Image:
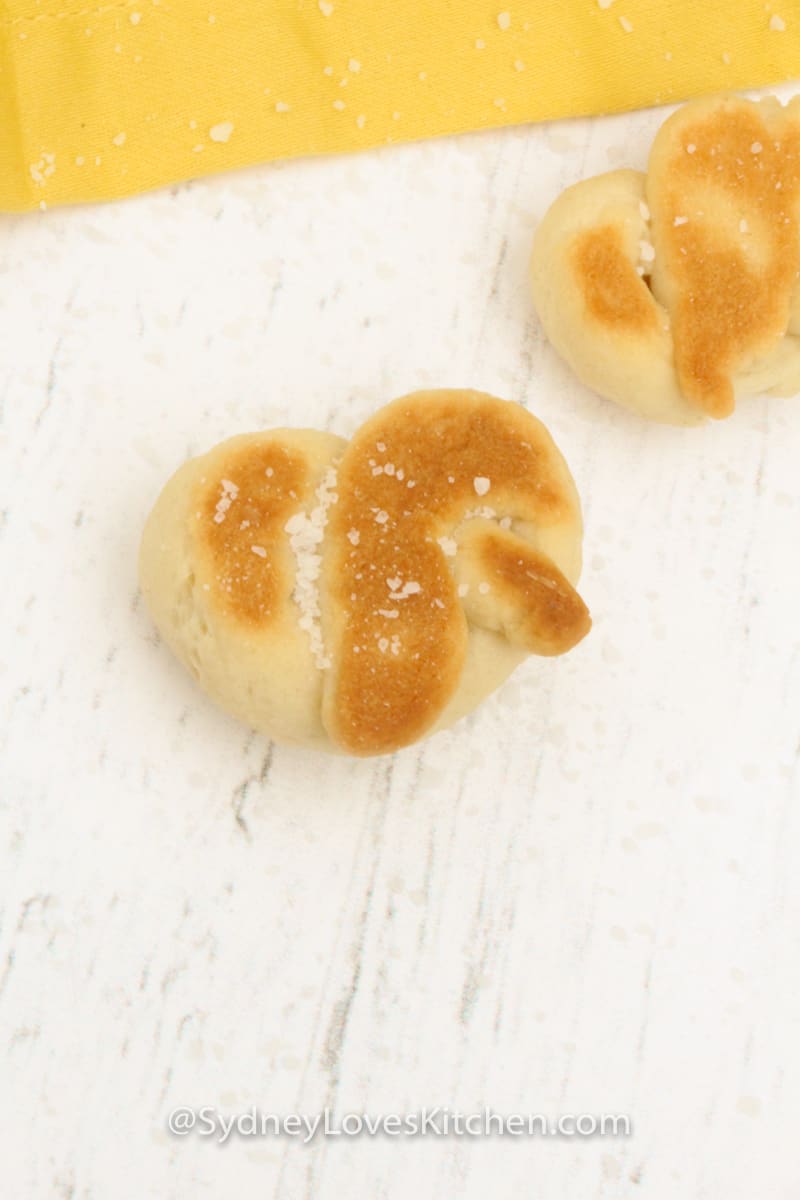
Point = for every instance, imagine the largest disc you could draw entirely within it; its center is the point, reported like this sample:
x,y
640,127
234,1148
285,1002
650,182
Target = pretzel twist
x,y
357,596
676,292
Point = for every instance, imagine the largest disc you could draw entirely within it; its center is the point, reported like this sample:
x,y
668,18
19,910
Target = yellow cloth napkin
x,y
103,99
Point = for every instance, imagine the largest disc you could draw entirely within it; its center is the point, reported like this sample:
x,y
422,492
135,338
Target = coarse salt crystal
x,y
306,532
295,524
680,221
449,545
626,24
354,537
605,3
119,140
463,588
221,132
756,148
644,210
354,65
398,592
135,18
690,149
229,493
325,8
381,517
646,252
43,169
776,23
481,484
282,107
259,550
504,20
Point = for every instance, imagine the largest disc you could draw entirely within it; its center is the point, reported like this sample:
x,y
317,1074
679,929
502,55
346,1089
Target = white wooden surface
x,y
584,899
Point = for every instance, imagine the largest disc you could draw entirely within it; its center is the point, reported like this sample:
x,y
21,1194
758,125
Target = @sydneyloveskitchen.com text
x,y
215,1125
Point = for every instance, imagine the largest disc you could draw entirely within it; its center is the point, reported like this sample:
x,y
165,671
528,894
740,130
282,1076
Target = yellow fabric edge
x,y
101,101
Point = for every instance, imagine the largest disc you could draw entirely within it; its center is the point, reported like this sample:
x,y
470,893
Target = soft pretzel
x,y
358,596
676,292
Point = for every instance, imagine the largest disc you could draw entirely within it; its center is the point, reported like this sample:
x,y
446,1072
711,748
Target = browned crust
x,y
549,617
731,287
269,484
386,699
611,289
398,657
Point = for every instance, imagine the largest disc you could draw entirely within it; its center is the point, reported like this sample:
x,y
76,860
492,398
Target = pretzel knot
x,y
676,292
358,596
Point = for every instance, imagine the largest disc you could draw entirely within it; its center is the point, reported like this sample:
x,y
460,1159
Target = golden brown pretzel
x,y
357,596
676,292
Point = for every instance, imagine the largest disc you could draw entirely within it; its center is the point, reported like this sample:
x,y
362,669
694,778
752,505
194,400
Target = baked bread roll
x,y
676,293
357,596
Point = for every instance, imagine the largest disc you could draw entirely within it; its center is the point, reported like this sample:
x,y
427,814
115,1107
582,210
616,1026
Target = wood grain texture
x,y
583,899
